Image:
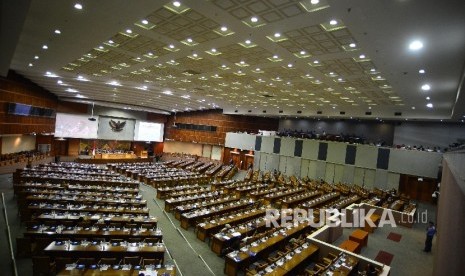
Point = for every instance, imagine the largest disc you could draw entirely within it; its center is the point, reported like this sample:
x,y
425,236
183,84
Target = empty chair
x,y
152,240
86,261
146,262
131,260
134,240
131,225
149,225
23,247
107,261
42,266
118,241
41,243
61,262
99,240
115,224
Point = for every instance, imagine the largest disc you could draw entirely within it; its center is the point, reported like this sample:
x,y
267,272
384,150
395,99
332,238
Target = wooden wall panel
x,y
17,89
224,123
73,146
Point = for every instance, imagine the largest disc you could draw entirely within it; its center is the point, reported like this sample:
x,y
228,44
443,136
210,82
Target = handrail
x,y
13,260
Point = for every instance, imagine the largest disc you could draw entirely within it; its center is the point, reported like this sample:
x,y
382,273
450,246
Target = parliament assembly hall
x,y
232,137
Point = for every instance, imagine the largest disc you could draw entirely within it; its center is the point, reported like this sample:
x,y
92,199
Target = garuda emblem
x,y
117,126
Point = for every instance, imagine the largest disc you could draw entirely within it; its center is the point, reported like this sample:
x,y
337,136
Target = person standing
x,y
430,232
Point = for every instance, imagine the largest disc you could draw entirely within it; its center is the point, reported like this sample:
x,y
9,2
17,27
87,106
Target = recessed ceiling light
x,y
430,105
372,70
254,19
314,2
45,47
59,81
334,107
171,46
213,50
150,53
415,45
78,6
176,4
333,22
248,41
289,65
352,45
167,92
36,57
111,41
57,31
303,52
413,107
194,55
129,31
316,62
241,62
224,28
275,56
428,98
145,21
277,35
224,66
189,40
30,65
421,71
362,56
425,87
369,107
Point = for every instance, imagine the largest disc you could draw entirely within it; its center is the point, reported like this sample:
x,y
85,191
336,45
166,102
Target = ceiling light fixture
x,y
78,6
30,64
333,22
129,31
428,98
421,71
429,105
111,41
277,35
36,57
248,41
224,29
314,2
415,45
45,47
362,56
57,31
254,19
176,4
352,45
145,22
425,87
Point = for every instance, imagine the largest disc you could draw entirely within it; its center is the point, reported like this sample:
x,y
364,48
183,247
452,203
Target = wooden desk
x,y
351,246
117,272
360,237
375,219
94,218
90,233
204,230
344,265
236,261
109,251
188,219
296,263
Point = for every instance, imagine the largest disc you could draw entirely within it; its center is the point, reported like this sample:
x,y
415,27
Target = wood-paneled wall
x,y
224,123
16,89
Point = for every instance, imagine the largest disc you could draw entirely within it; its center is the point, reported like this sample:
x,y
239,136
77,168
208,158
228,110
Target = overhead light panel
x,y
415,45
176,7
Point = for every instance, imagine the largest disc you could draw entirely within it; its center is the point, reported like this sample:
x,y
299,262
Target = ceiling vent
x,y
368,113
342,113
398,114
299,112
319,112
281,111
264,111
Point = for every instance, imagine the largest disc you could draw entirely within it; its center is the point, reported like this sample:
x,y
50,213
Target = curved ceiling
x,y
269,57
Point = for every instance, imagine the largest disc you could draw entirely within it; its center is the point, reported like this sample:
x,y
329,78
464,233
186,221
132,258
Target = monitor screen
x,y
147,131
75,126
